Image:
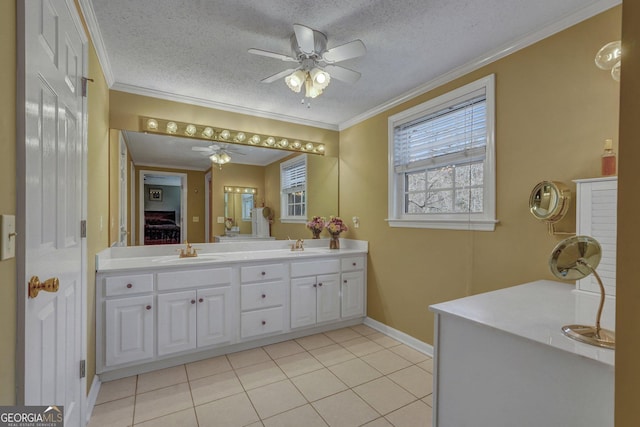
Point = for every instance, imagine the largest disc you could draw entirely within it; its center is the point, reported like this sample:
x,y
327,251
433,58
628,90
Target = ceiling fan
x,y
316,63
217,153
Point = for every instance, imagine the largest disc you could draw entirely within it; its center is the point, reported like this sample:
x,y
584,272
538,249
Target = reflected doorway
x,y
163,208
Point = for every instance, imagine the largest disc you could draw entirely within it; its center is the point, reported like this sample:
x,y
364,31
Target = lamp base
x,y
587,334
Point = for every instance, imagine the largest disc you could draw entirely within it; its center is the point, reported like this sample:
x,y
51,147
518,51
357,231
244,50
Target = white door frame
x,y
183,201
21,214
132,198
123,190
207,207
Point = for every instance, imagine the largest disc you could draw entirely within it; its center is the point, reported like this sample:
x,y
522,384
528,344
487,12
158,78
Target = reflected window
x,y
247,206
293,189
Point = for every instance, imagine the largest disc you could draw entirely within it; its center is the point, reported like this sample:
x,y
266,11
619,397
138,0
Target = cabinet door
x,y
303,301
214,316
129,329
176,322
353,294
328,297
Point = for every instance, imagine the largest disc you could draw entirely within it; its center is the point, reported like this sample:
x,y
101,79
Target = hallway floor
x,y
353,376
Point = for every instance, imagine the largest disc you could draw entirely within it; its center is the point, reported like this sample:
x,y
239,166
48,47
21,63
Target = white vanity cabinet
x,y
128,318
353,286
155,311
262,299
315,292
194,318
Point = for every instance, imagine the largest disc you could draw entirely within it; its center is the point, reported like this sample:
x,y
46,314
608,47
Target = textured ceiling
x,y
197,49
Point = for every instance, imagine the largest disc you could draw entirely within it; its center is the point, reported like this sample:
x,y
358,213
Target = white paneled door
x,y
52,54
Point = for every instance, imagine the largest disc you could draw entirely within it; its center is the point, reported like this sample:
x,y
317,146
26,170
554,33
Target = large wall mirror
x,y
192,202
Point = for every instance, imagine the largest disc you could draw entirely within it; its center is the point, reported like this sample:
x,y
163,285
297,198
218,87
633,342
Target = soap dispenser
x,y
608,159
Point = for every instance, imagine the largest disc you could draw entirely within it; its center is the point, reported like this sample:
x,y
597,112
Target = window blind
x,y
293,176
448,135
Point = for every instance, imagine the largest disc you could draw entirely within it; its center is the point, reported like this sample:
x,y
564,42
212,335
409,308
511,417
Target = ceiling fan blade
x,y
274,55
341,73
305,38
277,76
201,149
346,51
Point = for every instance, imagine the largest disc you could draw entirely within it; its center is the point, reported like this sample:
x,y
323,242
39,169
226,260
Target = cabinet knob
x,y
264,322
193,301
319,284
264,296
263,273
314,285
129,286
344,281
354,264
200,300
148,307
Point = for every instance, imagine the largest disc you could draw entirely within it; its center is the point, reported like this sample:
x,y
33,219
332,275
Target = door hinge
x,y
83,368
83,228
84,85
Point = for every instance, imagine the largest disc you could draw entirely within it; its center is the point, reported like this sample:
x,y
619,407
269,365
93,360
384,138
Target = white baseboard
x,y
412,342
93,396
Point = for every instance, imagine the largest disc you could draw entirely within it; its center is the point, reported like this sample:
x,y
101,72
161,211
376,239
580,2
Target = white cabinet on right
x,y
353,287
596,216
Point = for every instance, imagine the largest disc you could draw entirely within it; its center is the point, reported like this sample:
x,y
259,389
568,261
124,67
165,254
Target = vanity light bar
x,y
244,190
209,133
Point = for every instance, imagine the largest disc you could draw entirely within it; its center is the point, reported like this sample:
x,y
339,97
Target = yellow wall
x,y
195,202
98,192
628,268
8,297
554,110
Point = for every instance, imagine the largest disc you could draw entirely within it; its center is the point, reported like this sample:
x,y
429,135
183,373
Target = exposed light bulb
x,y
320,148
240,136
225,134
152,124
172,127
308,146
283,143
190,130
207,132
615,71
270,141
609,55
296,144
255,139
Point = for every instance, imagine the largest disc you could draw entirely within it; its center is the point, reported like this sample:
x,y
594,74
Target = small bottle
x,y
608,159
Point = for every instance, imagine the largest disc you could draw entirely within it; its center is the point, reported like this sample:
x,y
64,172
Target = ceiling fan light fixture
x,y
295,80
320,78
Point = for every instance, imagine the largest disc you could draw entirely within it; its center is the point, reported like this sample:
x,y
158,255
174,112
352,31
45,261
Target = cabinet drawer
x,y
261,322
124,285
261,295
256,273
193,278
353,263
314,268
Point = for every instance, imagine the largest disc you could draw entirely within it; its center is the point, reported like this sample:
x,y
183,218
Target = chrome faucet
x,y
298,245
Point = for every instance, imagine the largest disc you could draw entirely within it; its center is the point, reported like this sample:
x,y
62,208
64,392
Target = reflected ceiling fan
x,y
218,154
316,63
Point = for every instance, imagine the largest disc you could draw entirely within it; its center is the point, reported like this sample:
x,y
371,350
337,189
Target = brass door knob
x,y
49,285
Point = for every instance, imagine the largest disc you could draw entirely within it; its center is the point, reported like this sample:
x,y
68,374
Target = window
x,y
293,189
442,161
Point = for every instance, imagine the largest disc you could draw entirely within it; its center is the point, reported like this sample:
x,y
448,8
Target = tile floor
x,y
347,377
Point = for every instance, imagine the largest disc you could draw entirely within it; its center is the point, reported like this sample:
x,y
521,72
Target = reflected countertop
x,y
537,311
122,259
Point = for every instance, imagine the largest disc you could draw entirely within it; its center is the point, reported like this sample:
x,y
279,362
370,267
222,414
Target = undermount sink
x,y
188,260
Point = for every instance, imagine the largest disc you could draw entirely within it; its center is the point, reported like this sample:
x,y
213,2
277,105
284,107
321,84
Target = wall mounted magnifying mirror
x,y
573,259
549,202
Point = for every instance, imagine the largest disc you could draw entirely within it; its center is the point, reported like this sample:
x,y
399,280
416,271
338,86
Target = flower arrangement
x,y
316,225
228,223
335,225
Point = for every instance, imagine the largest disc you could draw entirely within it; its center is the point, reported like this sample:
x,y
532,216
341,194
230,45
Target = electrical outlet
x,y
7,236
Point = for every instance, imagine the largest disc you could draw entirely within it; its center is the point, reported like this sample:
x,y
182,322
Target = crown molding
x,y
491,56
98,42
139,90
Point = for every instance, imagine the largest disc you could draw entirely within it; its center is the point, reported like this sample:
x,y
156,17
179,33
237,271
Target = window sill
x,y
293,220
474,224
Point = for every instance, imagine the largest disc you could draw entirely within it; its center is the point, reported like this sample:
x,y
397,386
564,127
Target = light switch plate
x,y
7,236
220,220
196,219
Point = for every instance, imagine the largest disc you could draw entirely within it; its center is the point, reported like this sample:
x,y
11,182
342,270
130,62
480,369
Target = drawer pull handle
x,y
193,301
264,296
129,286
200,300
264,322
148,307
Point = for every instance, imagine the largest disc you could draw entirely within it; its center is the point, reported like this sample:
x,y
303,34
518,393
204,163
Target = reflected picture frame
x,y
155,194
